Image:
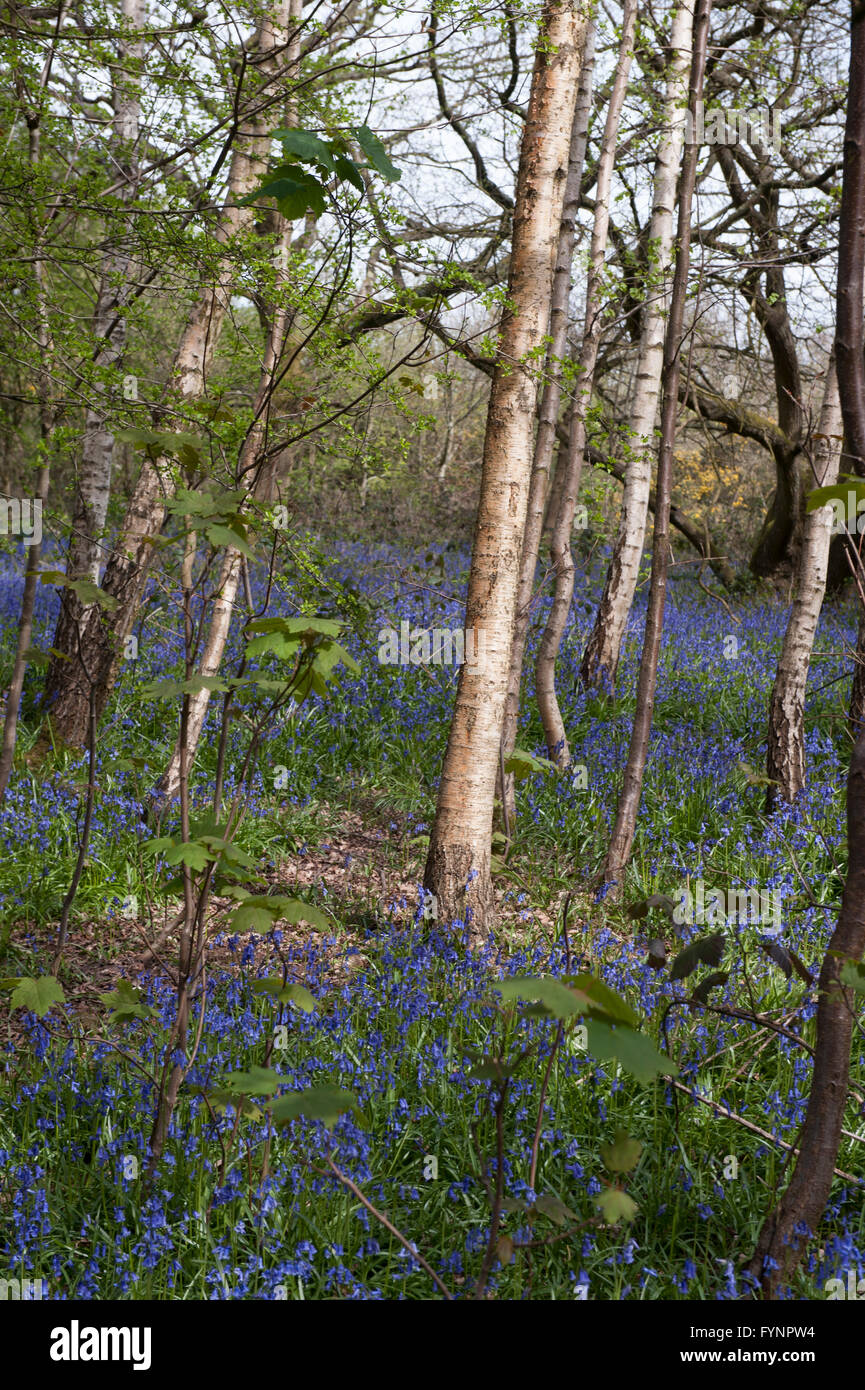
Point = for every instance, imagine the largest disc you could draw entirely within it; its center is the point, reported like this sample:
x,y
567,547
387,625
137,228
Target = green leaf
x,y
324,1103
553,1207
306,626
604,1000
286,993
85,589
258,1081
192,853
623,1154
556,998
296,191
126,1002
853,975
837,492
34,657
277,909
635,1051
377,154
707,950
523,764
38,994
221,1099
307,147
229,536
348,170
505,1248
249,917
490,1069
615,1205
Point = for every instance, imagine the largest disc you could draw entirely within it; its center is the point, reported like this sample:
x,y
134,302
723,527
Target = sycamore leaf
x,y
325,1103
523,764
556,998
847,491
635,1051
853,975
36,994
220,1100
286,993
258,1081
305,146
604,1000
554,1208
277,909
623,1154
126,1001
615,1205
85,589
505,1248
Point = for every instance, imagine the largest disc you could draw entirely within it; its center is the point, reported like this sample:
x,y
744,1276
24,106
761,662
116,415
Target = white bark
x,y
458,865
601,657
785,761
572,463
226,591
67,694
548,412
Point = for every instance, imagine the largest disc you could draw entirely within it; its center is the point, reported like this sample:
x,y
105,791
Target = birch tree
x,y
601,656
96,647
572,462
624,828
548,412
458,864
785,757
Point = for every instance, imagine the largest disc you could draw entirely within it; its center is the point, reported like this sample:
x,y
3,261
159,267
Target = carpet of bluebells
x,y
239,1211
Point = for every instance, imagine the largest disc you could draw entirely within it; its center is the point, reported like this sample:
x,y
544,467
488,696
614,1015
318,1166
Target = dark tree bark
x,y
783,1240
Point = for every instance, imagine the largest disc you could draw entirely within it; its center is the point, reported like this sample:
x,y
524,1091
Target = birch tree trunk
x,y
601,657
458,864
785,756
572,461
548,413
622,837
102,636
91,499
248,466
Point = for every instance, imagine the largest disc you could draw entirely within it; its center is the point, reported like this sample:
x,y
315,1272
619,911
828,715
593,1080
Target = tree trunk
x,y
785,757
622,837
103,635
47,417
572,461
248,466
458,865
548,413
783,1239
601,657
91,498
